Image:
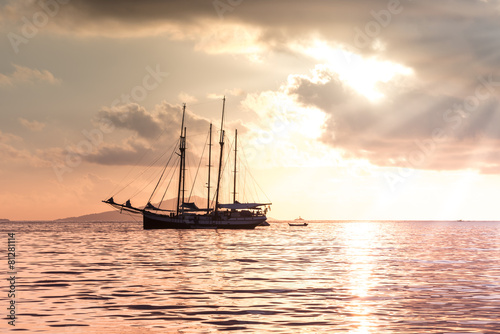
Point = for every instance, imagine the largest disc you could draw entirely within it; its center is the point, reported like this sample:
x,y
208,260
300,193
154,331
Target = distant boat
x,y
301,220
187,215
298,224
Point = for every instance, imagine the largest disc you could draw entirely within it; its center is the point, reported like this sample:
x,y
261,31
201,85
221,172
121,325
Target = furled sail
x,y
150,206
242,206
191,206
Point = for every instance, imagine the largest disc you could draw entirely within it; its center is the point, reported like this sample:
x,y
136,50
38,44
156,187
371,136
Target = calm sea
x,y
328,277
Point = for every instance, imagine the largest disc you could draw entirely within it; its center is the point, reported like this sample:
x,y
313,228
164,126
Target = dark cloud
x,y
140,11
447,41
130,153
136,118
325,94
165,118
152,133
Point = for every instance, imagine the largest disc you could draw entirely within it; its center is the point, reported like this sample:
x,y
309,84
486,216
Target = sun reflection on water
x,y
359,239
350,277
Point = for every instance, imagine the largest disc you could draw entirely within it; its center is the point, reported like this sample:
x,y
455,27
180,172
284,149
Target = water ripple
x,y
367,277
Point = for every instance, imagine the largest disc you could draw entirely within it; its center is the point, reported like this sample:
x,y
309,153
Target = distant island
x,y
107,216
4,220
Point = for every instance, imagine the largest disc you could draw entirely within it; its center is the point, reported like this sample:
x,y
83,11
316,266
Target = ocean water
x,y
328,277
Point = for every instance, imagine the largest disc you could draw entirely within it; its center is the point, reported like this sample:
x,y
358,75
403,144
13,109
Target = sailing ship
x,y
187,215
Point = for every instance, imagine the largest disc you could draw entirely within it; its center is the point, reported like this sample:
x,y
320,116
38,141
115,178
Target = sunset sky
x,y
346,109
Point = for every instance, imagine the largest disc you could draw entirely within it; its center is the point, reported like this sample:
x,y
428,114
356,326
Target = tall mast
x,y
221,143
182,148
184,171
209,165
235,155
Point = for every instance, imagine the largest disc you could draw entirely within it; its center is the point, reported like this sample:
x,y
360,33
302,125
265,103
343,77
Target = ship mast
x,y
235,155
209,165
182,149
221,143
183,171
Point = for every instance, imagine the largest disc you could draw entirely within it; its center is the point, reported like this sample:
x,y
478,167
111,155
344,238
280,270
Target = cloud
x,y
284,134
449,43
149,133
25,75
165,117
198,22
135,118
323,88
238,92
186,98
412,127
8,152
128,153
32,125
9,138
446,46
436,38
11,153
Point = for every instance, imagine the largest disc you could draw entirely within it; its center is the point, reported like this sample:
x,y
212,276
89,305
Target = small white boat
x,y
302,223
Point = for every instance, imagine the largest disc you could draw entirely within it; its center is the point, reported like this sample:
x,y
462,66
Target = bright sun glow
x,y
286,134
362,74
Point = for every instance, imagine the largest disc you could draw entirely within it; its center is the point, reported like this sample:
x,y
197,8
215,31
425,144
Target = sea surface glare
x,y
328,277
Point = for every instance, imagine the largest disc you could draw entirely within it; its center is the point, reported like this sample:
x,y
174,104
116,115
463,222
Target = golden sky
x,y
346,110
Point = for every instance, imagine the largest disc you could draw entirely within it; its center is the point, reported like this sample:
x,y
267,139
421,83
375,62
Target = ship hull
x,y
155,221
